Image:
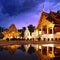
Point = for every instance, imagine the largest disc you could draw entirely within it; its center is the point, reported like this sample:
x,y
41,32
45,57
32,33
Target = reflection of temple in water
x,y
49,50
11,48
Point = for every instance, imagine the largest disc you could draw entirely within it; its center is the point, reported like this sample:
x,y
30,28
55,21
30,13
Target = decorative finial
x,y
43,8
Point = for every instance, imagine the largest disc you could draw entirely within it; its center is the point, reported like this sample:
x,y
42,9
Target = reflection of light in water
x,y
35,46
15,46
11,48
18,55
40,47
50,45
27,47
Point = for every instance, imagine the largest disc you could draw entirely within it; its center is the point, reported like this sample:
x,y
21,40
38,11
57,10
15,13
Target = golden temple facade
x,y
49,23
11,32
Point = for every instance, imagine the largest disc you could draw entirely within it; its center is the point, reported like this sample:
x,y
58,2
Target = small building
x,y
27,34
11,32
35,34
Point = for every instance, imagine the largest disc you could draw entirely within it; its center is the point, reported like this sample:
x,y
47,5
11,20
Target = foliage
x,y
31,28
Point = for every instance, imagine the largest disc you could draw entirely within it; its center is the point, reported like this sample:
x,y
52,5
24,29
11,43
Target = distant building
x,y
27,34
11,32
35,34
49,23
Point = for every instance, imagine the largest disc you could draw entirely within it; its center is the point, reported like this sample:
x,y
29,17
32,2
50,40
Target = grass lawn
x,y
1,40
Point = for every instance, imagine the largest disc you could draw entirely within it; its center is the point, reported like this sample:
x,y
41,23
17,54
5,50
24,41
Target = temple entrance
x,y
45,29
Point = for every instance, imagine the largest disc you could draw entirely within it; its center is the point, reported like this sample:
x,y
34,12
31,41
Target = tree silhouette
x,y
31,50
22,48
23,30
31,28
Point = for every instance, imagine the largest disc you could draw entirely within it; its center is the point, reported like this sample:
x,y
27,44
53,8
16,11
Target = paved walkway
x,y
28,42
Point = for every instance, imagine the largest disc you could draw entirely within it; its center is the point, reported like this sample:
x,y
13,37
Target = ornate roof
x,y
51,17
54,16
11,32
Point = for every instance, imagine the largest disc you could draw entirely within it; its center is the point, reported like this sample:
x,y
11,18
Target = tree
x,y
23,30
1,29
31,28
31,50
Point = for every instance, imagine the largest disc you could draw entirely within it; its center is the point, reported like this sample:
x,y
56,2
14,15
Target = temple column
x,y
47,50
52,50
52,30
41,49
47,29
41,29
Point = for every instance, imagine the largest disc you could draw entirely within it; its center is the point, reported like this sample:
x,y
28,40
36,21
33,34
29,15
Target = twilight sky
x,y
24,12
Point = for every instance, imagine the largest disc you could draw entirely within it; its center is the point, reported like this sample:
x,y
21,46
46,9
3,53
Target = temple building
x,y
11,32
27,34
35,34
49,23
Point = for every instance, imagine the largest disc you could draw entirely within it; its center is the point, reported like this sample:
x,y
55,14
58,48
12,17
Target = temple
x,y
49,23
11,32
27,34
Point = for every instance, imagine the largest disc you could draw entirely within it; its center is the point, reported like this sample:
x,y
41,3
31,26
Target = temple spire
x,y
43,8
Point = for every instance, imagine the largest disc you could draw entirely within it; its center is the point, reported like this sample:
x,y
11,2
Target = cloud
x,y
56,7
56,1
14,7
21,11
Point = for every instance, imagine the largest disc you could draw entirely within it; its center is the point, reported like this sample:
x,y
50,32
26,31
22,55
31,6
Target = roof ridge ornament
x,y
43,8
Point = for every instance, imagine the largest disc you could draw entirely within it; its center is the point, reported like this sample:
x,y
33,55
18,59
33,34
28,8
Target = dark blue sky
x,y
24,12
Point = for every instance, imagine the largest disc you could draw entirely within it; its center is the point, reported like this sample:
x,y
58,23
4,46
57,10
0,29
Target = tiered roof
x,y
51,17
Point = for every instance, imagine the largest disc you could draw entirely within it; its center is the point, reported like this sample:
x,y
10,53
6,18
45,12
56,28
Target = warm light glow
x,y
36,46
35,34
18,37
29,37
40,32
50,45
40,47
14,46
27,34
51,25
47,36
58,33
11,37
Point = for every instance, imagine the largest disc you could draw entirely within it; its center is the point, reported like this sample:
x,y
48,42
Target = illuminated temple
x,y
11,32
49,23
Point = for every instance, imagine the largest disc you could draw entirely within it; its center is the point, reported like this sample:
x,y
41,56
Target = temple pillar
x,y
53,50
52,30
47,29
47,50
41,29
41,49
